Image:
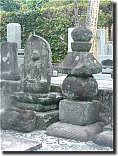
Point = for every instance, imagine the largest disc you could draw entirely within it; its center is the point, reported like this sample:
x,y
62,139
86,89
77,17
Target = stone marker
x,y
14,33
78,111
38,68
35,93
9,61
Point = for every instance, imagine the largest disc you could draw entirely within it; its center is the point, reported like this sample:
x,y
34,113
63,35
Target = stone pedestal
x,y
79,112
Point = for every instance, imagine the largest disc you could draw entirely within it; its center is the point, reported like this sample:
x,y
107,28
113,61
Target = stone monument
x,y
14,33
35,92
9,72
9,62
78,113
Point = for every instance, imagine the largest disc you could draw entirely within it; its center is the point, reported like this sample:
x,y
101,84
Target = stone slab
x,y
104,138
45,119
43,99
79,112
33,106
13,143
74,132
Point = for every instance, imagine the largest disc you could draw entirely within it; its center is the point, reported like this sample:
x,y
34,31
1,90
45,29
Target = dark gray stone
x,y
79,133
45,119
81,46
79,88
79,112
9,61
18,119
81,34
106,105
6,89
38,68
56,88
33,106
79,64
43,99
104,138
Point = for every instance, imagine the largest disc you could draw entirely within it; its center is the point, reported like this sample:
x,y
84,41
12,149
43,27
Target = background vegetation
x,y
49,19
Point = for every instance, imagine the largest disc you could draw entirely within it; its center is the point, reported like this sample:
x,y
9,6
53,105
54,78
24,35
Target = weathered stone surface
x,y
79,88
56,88
81,46
79,64
18,119
106,105
104,138
33,106
81,34
79,133
38,68
43,99
45,119
7,87
9,62
79,112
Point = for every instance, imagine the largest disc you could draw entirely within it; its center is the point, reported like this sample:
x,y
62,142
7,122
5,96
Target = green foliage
x,y
51,20
9,5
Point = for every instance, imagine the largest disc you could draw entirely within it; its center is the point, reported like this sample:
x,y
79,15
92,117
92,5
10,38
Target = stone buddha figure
x,y
37,69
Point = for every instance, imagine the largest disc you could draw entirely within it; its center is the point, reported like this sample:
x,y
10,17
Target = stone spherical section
x,y
81,34
79,88
81,46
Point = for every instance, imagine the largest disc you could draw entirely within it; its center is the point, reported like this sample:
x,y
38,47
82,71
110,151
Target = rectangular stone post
x,y
14,33
100,41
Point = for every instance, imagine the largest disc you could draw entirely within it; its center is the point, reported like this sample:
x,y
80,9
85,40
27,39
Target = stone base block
x,y
104,139
79,112
74,132
7,87
33,106
43,99
18,119
45,119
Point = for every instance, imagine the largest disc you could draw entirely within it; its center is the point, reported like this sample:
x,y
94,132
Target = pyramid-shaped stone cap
x,y
79,63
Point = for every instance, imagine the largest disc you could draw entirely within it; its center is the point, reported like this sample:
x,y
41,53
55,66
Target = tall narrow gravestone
x,y
9,62
78,113
9,72
35,94
14,33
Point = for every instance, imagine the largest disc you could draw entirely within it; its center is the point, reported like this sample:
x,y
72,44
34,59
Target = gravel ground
x,y
50,143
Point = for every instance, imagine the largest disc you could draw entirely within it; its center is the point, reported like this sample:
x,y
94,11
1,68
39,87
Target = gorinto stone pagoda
x,y
79,113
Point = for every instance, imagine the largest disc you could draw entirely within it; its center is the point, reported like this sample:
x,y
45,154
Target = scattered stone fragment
x,y
104,138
